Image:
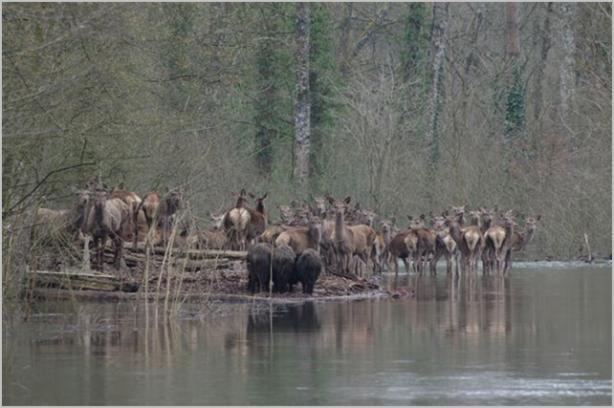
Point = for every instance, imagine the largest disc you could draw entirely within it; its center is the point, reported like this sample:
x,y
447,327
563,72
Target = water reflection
x,y
441,343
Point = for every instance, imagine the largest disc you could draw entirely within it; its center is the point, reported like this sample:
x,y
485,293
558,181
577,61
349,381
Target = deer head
x,y
319,207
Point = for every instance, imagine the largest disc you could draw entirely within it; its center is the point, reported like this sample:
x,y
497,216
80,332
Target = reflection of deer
x,y
520,239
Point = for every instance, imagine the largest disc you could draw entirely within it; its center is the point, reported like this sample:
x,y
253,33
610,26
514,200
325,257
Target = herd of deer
x,y
343,235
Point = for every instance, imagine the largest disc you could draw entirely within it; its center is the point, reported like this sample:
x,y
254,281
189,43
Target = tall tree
x,y
567,71
302,107
515,110
438,51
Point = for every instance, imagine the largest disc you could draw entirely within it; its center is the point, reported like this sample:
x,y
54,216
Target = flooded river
x,y
541,336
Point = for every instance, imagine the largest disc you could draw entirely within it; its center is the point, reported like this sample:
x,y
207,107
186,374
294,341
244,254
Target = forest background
x,y
407,107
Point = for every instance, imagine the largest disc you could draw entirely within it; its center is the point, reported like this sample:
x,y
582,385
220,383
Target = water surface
x,y
541,336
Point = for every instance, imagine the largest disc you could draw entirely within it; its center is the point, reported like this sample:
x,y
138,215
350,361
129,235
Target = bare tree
x,y
302,107
567,66
438,50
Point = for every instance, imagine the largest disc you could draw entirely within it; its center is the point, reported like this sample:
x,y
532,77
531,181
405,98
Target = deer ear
x,y
422,216
265,195
409,217
538,217
331,201
347,199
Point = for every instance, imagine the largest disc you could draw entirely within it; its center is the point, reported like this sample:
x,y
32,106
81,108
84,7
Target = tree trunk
x,y
541,65
567,66
512,32
345,39
302,107
438,48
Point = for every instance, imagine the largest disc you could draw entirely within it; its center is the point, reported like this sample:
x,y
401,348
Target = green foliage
x,y
324,81
415,42
515,109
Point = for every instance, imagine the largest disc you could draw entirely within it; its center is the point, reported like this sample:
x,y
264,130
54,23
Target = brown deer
x,y
257,218
213,237
520,239
149,208
236,221
402,245
469,241
380,245
426,240
302,238
319,207
444,246
495,238
350,240
106,217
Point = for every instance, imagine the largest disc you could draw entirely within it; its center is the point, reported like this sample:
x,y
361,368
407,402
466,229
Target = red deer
x,y
520,240
236,221
495,238
133,201
402,245
426,240
271,233
319,208
286,214
106,217
149,208
381,243
302,238
350,240
257,219
445,245
469,241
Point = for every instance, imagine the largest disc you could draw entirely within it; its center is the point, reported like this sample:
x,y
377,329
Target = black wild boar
x,y
307,269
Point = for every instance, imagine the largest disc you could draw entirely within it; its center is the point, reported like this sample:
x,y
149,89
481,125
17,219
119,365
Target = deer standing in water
x,y
497,238
469,241
381,252
403,245
520,239
445,245
425,243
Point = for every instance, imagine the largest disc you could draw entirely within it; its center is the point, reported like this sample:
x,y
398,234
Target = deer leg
x,y
101,241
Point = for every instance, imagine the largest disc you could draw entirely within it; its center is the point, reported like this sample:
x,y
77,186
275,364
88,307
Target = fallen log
x,y
192,253
79,280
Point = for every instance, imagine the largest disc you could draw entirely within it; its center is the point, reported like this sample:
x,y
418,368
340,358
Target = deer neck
x,y
528,235
455,232
99,207
486,224
339,226
387,236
